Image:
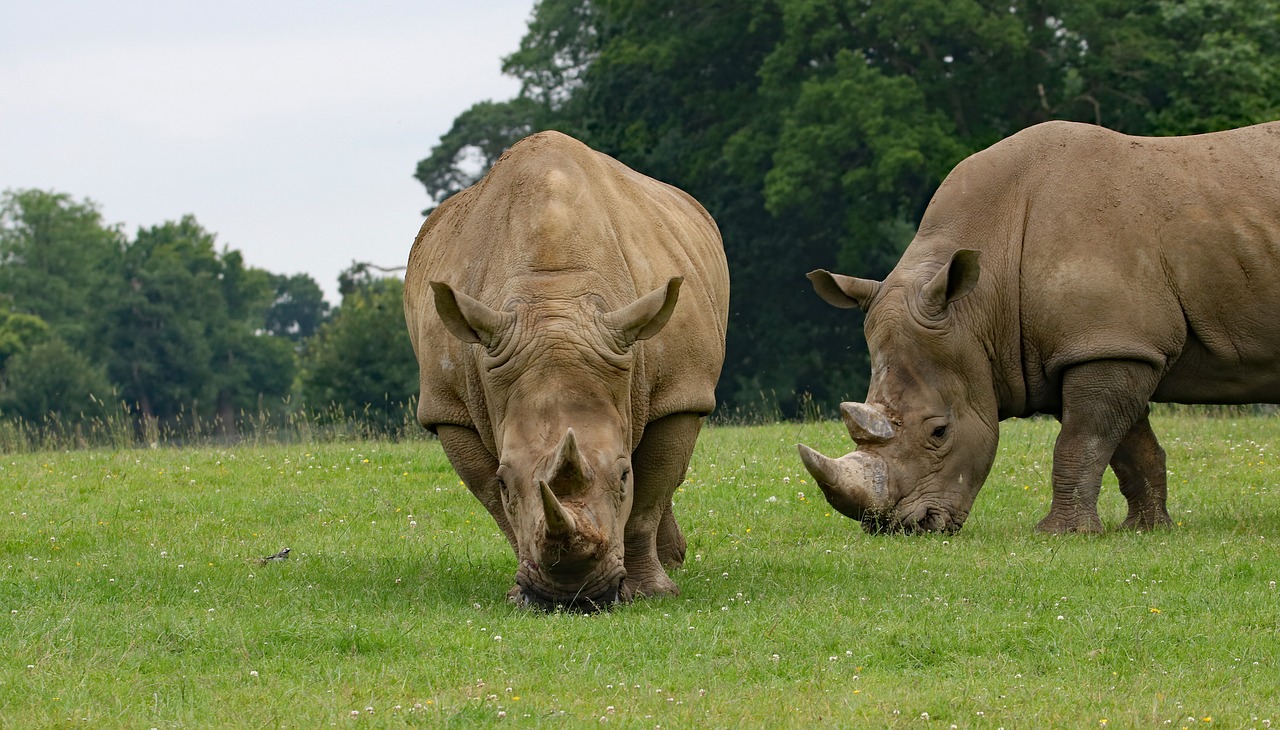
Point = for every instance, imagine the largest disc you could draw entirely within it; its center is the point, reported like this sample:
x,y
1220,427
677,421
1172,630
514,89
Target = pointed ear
x,y
646,316
956,279
845,292
468,319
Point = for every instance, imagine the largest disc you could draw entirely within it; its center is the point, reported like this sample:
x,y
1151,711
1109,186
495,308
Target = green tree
x,y
360,362
1177,66
189,334
59,262
478,137
18,334
52,381
816,131
299,307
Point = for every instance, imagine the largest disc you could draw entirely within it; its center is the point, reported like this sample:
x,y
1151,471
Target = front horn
x,y
855,484
560,523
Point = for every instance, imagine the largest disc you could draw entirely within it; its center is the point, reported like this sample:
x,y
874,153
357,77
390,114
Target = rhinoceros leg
x,y
1101,402
671,543
1140,467
479,471
659,464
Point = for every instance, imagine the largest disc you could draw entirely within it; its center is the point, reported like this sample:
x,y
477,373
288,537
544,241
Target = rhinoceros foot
x,y
654,585
1147,521
1062,523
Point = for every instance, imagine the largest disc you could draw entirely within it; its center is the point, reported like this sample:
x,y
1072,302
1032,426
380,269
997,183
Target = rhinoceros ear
x,y
845,292
467,319
956,279
646,316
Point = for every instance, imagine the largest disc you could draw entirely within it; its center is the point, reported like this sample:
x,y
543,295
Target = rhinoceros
x,y
1073,271
568,315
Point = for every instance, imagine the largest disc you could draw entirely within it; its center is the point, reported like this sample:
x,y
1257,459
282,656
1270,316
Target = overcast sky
x,y
290,129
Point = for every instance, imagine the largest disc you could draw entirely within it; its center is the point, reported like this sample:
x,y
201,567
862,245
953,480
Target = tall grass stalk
x,y
119,426
130,597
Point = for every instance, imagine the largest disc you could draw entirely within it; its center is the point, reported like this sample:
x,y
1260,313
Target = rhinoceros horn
x,y
560,523
866,424
568,472
855,484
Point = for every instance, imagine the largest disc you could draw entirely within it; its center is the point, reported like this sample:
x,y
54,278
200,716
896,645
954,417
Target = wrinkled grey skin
x,y
1072,271
568,316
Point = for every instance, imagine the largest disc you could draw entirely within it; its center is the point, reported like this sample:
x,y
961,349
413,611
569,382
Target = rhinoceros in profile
x,y
568,316
1072,271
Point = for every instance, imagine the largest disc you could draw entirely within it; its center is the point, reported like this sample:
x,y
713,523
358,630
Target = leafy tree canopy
x,y
51,381
59,262
188,331
815,131
361,362
298,309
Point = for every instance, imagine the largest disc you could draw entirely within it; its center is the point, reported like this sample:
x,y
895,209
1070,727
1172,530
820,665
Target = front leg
x,y
658,465
1101,402
1139,465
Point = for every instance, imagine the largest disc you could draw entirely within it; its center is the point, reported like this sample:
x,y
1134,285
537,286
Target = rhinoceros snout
x,y
550,598
927,518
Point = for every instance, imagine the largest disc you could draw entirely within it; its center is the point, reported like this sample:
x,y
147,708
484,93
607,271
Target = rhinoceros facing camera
x,y
568,315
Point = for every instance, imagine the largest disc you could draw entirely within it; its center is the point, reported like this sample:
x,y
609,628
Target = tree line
x,y
166,327
816,131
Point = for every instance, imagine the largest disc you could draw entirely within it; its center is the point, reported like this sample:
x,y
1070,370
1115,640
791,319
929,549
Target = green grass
x,y
128,597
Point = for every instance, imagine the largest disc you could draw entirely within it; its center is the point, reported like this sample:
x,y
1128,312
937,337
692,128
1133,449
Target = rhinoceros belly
x,y
1250,374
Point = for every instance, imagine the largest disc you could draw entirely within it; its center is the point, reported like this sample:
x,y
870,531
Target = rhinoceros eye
x,y
939,432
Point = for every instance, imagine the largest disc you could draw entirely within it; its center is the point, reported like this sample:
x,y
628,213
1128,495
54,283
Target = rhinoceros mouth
x,y
919,520
598,592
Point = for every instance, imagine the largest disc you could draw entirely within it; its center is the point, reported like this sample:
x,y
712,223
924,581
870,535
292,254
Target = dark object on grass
x,y
282,555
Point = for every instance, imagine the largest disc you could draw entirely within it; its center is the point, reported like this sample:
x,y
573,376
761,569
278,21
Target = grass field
x,y
129,597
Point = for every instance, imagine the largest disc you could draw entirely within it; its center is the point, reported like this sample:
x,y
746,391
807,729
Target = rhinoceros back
x,y
1164,250
554,218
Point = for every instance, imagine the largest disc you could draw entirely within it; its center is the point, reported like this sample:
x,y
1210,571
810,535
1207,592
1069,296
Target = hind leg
x,y
1140,466
1101,403
671,543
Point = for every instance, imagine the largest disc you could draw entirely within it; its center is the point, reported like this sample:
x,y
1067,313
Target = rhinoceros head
x,y
926,437
556,377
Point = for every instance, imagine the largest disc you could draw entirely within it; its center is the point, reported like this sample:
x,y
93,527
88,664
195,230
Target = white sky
x,y
290,129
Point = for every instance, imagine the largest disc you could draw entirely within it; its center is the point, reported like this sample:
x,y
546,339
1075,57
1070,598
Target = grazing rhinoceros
x,y
1115,271
568,315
